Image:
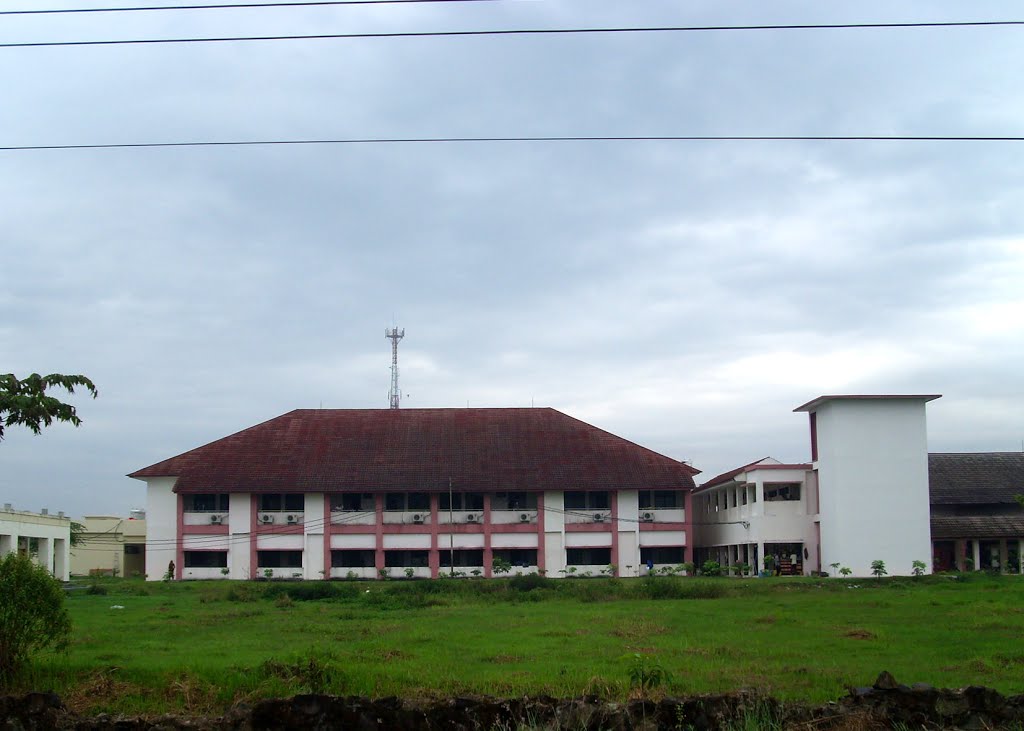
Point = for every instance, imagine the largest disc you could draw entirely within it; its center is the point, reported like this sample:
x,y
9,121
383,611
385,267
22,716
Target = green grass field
x,y
199,647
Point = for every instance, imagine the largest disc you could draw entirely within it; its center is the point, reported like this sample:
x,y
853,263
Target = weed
x,y
97,589
645,674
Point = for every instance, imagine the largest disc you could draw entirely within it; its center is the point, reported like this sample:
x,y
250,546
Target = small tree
x,y
919,567
878,568
32,614
24,402
500,565
846,571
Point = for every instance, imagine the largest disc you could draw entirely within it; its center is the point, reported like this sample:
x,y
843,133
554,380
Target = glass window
x,y
418,501
405,559
514,501
592,500
353,502
781,491
352,559
522,557
271,502
588,556
462,501
471,557
295,501
662,554
205,503
206,559
279,559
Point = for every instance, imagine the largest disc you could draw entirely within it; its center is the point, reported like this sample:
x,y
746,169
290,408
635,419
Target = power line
x,y
566,138
518,31
233,6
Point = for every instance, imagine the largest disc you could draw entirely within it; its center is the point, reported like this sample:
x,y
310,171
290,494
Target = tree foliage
x,y
24,402
32,614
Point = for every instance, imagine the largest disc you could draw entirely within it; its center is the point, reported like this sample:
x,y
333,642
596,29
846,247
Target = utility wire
x,y
513,32
566,138
234,6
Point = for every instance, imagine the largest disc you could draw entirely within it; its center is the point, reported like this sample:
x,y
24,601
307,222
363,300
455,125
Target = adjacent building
x,y
416,492
45,538
862,497
110,545
977,521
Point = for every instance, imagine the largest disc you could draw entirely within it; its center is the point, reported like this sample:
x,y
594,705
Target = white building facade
x,y
45,538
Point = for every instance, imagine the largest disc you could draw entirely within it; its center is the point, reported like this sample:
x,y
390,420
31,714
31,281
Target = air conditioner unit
x,y
647,517
216,519
293,519
599,517
524,517
266,518
472,518
418,518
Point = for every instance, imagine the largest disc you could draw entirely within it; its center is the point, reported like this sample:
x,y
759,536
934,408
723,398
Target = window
x,y
782,491
588,556
279,559
660,499
132,549
407,502
357,502
462,501
592,500
662,554
471,557
405,559
743,494
205,502
514,501
206,559
353,559
516,556
277,502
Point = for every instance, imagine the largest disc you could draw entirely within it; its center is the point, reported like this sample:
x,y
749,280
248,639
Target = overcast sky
x,y
684,295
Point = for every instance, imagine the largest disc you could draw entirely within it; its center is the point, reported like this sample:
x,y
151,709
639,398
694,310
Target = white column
x,y
977,554
1004,556
45,557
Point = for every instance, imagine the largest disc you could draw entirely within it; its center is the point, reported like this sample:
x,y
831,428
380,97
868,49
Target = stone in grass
x,y
886,681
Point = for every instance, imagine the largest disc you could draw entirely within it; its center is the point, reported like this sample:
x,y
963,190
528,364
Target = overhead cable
x,y
234,6
515,32
565,138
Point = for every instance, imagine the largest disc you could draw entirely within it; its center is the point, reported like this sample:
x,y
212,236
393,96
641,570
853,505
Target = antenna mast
x,y
394,335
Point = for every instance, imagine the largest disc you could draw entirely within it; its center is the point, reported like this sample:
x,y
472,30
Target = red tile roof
x,y
420,449
727,476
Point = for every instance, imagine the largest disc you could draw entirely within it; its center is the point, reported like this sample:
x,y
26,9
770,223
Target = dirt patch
x,y
860,634
505,659
638,629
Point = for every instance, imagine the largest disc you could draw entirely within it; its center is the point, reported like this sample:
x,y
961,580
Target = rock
x,y
886,681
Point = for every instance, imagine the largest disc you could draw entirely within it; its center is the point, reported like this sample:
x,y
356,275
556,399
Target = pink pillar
x,y
540,533
614,503
434,558
179,554
253,527
379,530
327,536
488,551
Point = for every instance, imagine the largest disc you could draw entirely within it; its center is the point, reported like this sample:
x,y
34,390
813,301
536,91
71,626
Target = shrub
x,y
32,613
501,566
96,589
919,567
711,568
646,673
528,582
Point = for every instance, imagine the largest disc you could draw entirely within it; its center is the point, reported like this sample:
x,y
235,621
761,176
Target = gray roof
x,y
975,478
970,526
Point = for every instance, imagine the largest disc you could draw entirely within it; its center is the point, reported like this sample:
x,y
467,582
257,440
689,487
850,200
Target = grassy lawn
x,y
200,647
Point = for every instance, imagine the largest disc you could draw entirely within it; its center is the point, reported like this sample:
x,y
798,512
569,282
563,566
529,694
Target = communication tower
x,y
394,335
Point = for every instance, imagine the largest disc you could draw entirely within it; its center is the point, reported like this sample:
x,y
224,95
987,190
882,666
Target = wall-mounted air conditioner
x,y
524,517
292,519
265,518
418,518
647,517
216,519
472,518
599,517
